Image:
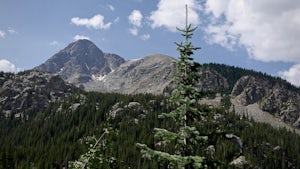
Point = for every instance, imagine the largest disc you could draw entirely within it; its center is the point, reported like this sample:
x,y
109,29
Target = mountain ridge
x,y
83,64
154,74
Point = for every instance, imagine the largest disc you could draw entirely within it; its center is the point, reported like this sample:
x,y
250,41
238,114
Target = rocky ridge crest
x,y
30,91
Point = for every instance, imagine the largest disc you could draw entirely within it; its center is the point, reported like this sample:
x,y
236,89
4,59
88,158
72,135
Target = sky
x,y
261,35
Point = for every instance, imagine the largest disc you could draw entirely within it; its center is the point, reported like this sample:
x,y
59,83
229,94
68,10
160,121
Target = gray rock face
x,y
274,97
31,90
240,162
249,90
151,74
210,152
80,61
119,110
236,140
212,80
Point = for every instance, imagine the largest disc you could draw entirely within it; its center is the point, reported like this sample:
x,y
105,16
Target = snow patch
x,y
87,66
99,78
135,59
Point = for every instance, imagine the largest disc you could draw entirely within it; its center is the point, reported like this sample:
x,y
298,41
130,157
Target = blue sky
x,y
262,35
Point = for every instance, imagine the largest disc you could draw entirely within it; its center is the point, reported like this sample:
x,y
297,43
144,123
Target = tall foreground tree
x,y
184,136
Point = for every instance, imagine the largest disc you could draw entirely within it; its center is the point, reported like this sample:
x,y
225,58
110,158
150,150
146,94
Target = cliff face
x,y
275,98
30,91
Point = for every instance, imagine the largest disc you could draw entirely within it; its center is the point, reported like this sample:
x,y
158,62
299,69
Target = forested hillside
x,y
233,74
57,135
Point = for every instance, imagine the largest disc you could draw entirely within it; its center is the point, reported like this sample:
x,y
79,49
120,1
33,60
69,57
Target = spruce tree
x,y
184,136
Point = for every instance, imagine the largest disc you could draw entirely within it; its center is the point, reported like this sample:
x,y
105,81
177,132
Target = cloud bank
x,y
292,75
268,29
171,14
7,66
96,22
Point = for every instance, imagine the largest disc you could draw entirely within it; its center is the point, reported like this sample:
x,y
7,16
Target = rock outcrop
x,y
240,162
212,80
30,91
275,97
235,140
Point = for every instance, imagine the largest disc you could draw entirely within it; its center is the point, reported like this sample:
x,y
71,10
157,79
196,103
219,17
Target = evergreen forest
x,y
54,137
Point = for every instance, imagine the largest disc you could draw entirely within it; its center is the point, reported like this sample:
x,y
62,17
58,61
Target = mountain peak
x,y
82,43
79,61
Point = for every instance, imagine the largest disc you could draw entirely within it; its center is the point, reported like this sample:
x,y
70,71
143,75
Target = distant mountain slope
x,y
151,74
79,61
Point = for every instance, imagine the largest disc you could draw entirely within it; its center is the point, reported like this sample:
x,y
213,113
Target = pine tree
x,y
184,100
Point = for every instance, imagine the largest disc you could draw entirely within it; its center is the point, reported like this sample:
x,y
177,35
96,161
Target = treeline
x,y
51,138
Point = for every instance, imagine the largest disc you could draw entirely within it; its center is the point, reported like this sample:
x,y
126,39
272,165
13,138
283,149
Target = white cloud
x,y
112,8
2,34
117,20
96,22
145,37
7,66
268,29
292,75
11,31
171,14
80,37
134,31
54,43
135,18
220,36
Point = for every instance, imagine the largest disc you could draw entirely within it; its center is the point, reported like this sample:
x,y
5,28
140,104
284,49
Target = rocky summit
x,y
80,62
